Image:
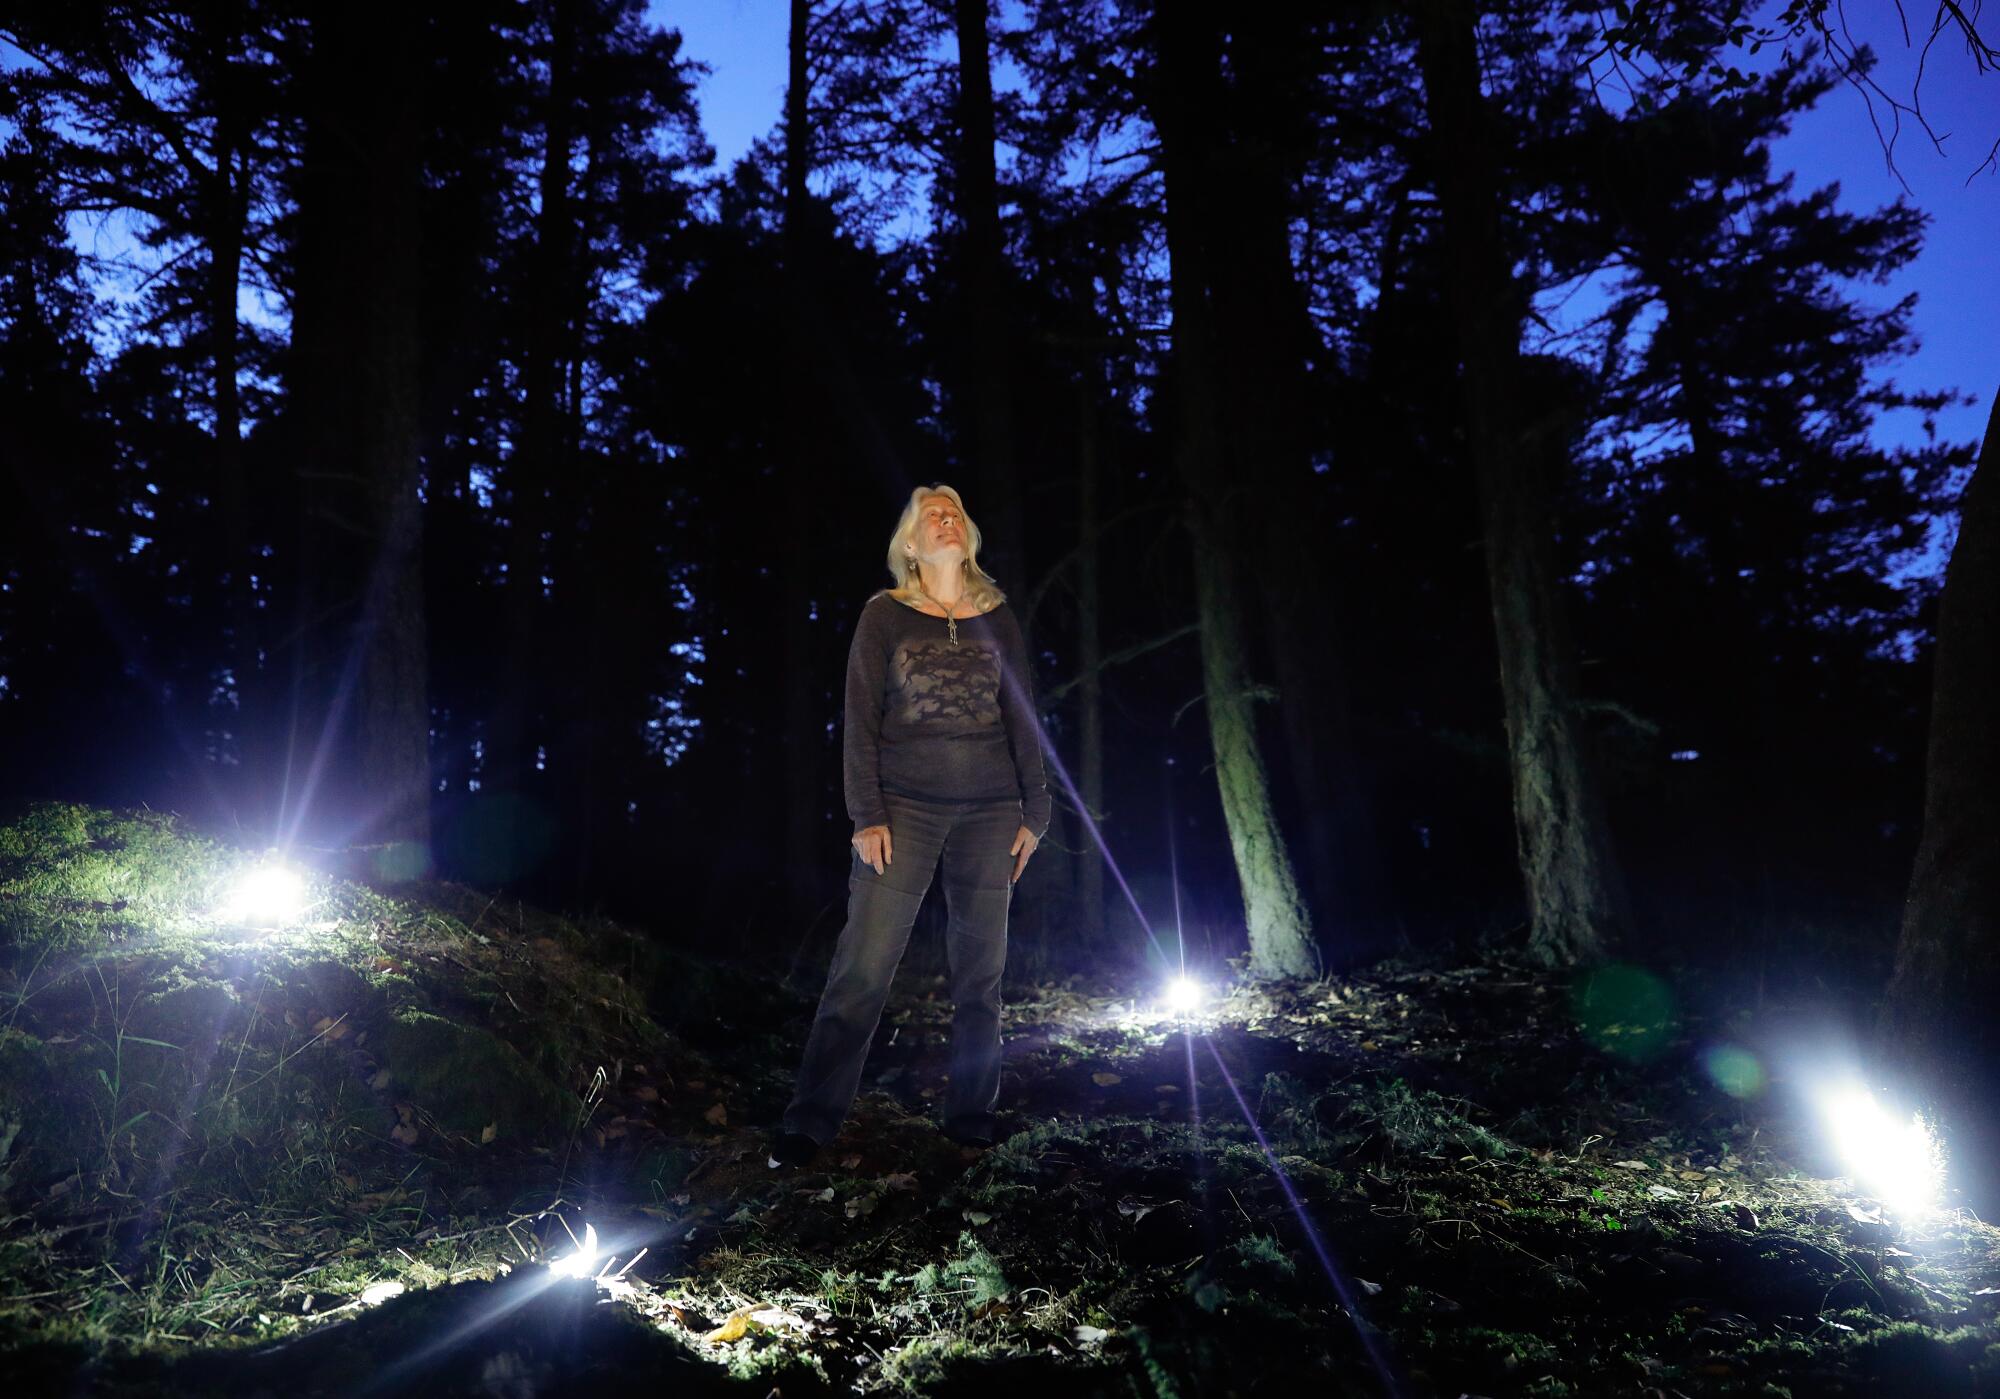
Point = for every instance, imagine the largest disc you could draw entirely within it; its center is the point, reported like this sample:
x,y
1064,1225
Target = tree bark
x,y
1937,1032
1184,89
228,209
804,736
1576,895
1090,660
355,338
1268,345
535,464
985,326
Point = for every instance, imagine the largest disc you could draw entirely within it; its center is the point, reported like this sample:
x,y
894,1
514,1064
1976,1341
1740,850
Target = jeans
x,y
972,840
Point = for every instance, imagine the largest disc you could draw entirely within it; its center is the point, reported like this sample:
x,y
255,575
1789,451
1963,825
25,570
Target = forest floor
x,y
334,1159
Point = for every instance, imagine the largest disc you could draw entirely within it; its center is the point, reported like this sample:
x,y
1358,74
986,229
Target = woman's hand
x,y
1024,845
872,844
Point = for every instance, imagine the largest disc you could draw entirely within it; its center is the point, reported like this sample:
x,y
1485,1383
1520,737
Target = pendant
x,y
951,621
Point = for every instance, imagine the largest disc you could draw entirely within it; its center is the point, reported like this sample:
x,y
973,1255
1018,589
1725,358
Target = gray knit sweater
x,y
937,721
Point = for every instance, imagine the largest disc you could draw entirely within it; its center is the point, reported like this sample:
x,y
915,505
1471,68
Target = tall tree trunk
x,y
985,325
355,336
535,465
1090,661
1576,895
1268,344
1746,729
1938,1031
804,736
229,210
1184,92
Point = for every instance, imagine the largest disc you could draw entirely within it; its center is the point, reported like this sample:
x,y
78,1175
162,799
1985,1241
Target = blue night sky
x,y
1956,279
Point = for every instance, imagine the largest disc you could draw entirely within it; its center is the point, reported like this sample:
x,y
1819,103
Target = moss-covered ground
x,y
332,1158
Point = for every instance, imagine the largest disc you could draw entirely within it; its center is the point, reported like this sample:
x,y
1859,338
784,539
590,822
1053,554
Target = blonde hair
x,y
980,590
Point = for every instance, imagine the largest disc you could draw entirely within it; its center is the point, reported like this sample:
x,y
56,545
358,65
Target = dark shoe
x,y
792,1149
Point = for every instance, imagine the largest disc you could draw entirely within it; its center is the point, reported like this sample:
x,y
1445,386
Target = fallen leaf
x,y
1861,1216
1632,1165
1373,1289
718,1115
1166,1088
900,1180
404,1133
825,1196
850,1162
1106,1079
977,1217
859,1205
1692,1175
376,1293
488,1132
1663,1192
778,1319
734,1328
1090,1335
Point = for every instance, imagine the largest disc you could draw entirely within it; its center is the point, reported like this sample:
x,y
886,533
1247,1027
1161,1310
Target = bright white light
x,y
376,1293
1184,995
582,1263
268,896
1900,1161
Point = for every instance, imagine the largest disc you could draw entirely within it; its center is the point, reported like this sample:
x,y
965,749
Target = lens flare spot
x,y
1624,1010
1737,1072
401,861
1184,995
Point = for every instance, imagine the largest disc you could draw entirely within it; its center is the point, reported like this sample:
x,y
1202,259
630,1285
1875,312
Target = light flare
x,y
1901,1161
270,895
1184,995
581,1264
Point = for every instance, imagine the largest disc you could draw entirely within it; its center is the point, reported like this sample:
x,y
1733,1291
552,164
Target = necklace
x,y
950,617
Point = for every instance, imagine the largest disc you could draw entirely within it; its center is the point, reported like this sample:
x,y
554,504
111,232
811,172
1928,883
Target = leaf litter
x,y
1507,1207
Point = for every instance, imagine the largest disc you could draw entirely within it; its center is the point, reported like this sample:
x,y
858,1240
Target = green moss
x,y
466,1078
75,876
974,1278
190,1015
1264,1251
1419,1122
46,1118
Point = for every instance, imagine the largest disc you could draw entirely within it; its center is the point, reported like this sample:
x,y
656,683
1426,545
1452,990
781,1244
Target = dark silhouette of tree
x,y
1186,85
986,333
363,757
1739,463
171,119
1937,1028
1576,897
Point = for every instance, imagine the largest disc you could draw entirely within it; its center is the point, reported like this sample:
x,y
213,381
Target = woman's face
x,y
941,533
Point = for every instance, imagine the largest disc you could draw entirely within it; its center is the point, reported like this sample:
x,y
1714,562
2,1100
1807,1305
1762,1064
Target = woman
x,y
943,765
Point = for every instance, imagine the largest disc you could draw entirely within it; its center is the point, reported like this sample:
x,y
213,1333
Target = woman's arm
x,y
861,724
1024,730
